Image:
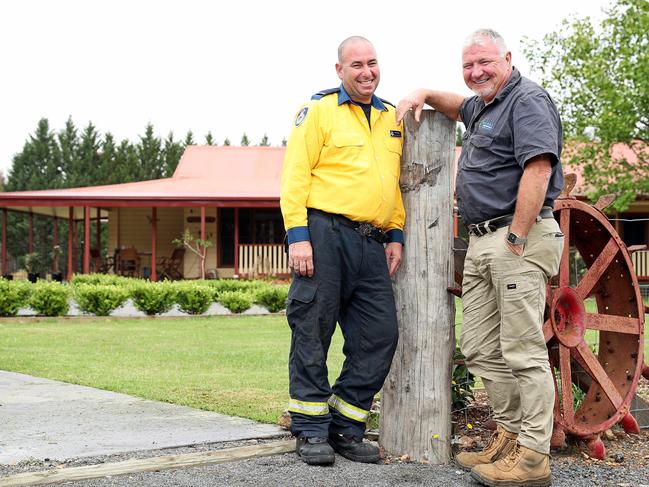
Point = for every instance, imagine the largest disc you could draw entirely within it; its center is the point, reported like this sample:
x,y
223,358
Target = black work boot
x,y
314,450
353,448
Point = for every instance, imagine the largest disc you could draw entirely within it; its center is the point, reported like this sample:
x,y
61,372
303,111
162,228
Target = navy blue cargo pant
x,y
351,285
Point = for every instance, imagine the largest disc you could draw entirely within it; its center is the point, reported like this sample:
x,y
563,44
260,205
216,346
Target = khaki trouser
x,y
503,302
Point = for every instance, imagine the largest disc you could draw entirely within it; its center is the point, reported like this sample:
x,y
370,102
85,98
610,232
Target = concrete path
x,y
41,418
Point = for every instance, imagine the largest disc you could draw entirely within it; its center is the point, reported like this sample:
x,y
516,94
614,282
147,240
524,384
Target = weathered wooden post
x,y
416,398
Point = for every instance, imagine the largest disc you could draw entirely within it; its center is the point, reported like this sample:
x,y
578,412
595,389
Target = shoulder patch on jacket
x,y
301,115
322,93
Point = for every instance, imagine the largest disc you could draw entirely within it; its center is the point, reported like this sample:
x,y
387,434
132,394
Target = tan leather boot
x,y
521,466
500,443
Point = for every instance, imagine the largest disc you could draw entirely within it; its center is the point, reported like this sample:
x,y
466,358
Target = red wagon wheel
x,y
599,354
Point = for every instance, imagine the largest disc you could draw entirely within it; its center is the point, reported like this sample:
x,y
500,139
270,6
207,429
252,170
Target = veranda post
x,y
416,397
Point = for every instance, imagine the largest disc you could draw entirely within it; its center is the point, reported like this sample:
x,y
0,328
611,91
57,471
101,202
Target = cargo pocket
x,y
301,302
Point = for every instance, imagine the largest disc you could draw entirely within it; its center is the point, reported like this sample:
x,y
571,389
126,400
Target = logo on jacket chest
x,y
486,125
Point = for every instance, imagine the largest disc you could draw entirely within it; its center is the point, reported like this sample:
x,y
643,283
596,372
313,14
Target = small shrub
x,y
272,297
103,279
153,297
49,299
13,296
193,298
228,285
100,299
235,301
462,383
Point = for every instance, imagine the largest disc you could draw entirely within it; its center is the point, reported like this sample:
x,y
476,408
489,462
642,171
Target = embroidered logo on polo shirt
x,y
511,286
486,125
301,116
395,133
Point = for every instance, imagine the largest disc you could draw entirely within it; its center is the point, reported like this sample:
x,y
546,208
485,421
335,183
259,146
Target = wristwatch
x,y
514,239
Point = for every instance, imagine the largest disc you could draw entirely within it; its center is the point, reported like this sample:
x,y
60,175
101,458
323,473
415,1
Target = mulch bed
x,y
472,430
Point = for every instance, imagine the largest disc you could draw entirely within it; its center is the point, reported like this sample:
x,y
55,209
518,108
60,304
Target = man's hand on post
x,y
414,101
300,258
393,256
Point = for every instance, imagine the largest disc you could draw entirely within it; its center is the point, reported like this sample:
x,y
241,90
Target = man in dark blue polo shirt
x,y
509,174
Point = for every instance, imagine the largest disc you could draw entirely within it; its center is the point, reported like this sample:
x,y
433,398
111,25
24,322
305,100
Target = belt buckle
x,y
365,229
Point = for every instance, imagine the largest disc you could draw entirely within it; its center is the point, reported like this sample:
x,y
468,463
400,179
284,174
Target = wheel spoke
x,y
566,384
597,268
597,372
564,267
617,324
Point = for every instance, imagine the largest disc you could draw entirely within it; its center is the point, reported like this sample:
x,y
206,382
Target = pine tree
x,y
189,139
106,171
149,154
85,168
209,139
245,142
264,141
126,163
68,140
226,142
284,142
37,166
171,154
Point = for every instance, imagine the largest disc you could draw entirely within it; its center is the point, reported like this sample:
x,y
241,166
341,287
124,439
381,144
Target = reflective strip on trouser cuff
x,y
347,410
310,408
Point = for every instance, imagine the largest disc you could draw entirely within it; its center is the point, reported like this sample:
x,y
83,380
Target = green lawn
x,y
232,365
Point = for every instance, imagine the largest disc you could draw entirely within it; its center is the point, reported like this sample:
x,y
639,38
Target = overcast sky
x,y
230,66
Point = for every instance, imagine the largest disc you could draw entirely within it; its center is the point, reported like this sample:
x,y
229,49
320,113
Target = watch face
x,y
512,237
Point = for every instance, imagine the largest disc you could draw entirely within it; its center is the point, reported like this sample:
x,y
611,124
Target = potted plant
x,y
56,274
31,262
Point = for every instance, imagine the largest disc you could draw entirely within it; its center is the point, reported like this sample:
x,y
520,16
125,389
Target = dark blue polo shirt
x,y
520,123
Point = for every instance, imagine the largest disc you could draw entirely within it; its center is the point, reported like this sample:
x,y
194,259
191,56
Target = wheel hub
x,y
568,317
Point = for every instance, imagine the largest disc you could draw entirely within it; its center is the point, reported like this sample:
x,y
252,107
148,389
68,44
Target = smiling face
x,y
359,70
486,70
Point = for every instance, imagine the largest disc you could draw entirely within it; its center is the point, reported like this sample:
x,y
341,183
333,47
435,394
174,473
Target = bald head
x,y
350,40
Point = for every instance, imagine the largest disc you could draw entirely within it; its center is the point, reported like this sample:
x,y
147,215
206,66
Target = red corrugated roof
x,y
205,173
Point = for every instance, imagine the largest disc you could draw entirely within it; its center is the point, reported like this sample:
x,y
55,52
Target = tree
x,y
149,152
68,140
245,141
209,139
264,141
458,136
226,142
599,75
197,245
284,142
189,139
85,168
171,154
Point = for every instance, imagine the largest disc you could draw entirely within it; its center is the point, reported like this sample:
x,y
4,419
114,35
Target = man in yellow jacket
x,y
344,217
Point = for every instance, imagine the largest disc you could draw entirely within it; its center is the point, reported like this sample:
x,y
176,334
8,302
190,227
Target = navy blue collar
x,y
343,97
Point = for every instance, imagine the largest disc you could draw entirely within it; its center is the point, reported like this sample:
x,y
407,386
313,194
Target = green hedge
x,y
100,299
13,296
153,297
235,301
193,298
49,298
101,294
273,298
103,279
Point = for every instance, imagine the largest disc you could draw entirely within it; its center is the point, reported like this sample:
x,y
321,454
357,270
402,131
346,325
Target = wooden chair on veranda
x,y
171,267
129,262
